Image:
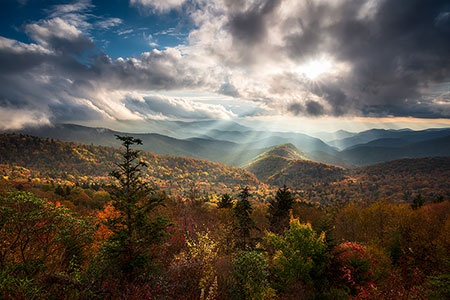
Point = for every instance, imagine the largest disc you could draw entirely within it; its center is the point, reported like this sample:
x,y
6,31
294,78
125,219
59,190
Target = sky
x,y
311,65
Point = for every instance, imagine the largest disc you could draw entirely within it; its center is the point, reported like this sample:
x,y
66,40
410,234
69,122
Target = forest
x,y
90,222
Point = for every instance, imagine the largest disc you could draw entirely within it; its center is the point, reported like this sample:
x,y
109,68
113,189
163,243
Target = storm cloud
x,y
383,58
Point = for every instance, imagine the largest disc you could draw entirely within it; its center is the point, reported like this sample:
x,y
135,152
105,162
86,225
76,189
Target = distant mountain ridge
x,y
234,144
368,154
406,134
216,148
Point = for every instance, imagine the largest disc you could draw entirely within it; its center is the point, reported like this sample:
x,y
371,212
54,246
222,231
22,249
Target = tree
x,y
37,239
242,212
300,256
226,201
251,276
279,210
417,202
134,228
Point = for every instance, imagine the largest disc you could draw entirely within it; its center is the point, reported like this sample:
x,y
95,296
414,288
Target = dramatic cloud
x,y
373,58
160,106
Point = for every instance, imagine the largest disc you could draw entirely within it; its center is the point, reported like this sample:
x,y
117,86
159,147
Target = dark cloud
x,y
250,26
296,108
394,53
314,108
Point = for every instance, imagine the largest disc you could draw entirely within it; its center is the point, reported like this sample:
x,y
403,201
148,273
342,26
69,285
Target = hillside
x,y
395,181
66,161
286,164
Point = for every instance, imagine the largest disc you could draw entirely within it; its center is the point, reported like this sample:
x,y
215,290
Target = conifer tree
x,y
417,202
279,210
242,213
226,201
135,228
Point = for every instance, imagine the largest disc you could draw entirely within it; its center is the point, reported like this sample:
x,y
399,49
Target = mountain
x,y
230,147
60,161
264,139
202,148
404,134
331,136
286,164
367,155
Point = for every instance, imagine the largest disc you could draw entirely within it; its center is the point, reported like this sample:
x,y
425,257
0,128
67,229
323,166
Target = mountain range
x,y
234,144
25,158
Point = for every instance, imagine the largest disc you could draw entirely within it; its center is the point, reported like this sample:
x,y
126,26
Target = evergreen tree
x,y
279,210
417,202
242,213
226,201
135,229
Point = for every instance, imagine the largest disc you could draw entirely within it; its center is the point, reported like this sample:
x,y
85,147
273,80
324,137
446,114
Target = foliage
x,y
38,237
298,256
354,265
251,275
199,258
365,240
67,163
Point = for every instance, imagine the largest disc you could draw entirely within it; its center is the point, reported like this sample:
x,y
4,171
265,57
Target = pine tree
x,y
279,210
135,229
226,201
417,202
242,212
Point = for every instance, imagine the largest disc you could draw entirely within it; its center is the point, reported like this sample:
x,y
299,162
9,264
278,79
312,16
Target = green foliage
x,y
134,229
279,210
299,256
251,275
242,212
439,286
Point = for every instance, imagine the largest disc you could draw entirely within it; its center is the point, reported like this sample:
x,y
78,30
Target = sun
x,y
315,68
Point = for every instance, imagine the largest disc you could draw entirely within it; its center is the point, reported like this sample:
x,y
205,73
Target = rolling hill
x,y
286,165
59,161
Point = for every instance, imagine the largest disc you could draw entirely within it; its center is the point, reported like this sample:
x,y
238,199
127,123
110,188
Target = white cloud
x,y
109,23
158,5
43,31
175,108
12,119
